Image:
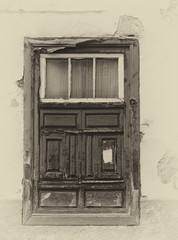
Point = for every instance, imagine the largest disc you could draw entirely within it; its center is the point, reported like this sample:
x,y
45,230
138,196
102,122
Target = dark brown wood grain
x,y
53,149
28,133
60,120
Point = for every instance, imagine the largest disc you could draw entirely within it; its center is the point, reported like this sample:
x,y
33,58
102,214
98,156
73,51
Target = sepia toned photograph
x,y
89,133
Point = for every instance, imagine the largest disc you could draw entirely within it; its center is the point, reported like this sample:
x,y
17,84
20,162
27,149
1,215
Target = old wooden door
x,y
84,163
81,155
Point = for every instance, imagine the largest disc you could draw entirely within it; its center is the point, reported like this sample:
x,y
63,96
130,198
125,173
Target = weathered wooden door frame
x,y
32,49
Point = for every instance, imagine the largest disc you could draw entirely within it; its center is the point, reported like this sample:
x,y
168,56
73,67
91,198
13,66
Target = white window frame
x,y
44,57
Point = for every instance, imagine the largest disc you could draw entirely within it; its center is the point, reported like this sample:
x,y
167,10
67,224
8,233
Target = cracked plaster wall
x,y
154,24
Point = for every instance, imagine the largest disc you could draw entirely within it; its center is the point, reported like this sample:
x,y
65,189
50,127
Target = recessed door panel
x,y
53,154
103,198
102,118
59,156
62,119
109,154
58,199
103,156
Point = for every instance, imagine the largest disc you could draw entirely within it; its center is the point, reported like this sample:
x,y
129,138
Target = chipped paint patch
x,y
141,135
20,82
168,169
171,12
27,157
129,26
14,103
146,123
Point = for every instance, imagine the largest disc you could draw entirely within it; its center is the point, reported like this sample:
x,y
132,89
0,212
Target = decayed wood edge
x,y
74,41
134,118
136,132
82,219
36,80
28,133
133,133
81,105
131,129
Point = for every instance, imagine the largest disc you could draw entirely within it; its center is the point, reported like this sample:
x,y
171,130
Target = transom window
x,y
82,77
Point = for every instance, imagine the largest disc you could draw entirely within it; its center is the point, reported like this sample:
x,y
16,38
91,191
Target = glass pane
x,y
106,78
82,78
108,147
57,78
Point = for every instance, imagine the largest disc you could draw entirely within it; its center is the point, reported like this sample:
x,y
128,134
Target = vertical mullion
x,y
121,76
94,76
69,77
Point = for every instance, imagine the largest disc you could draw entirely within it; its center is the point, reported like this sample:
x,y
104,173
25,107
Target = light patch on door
x,y
108,154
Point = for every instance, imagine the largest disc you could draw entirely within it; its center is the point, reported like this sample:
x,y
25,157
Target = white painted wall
x,y
158,76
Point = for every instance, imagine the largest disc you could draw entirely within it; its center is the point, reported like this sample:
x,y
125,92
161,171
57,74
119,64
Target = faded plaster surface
x,y
155,24
171,12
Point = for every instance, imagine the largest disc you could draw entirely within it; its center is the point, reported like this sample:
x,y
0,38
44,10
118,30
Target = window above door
x,y
82,77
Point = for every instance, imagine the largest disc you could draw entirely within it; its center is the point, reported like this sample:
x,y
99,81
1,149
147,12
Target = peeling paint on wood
x,y
28,134
104,199
58,199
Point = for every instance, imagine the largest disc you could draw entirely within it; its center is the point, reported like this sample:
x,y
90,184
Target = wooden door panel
x,y
59,199
102,118
59,156
61,119
71,159
53,154
103,156
89,165
86,198
103,198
